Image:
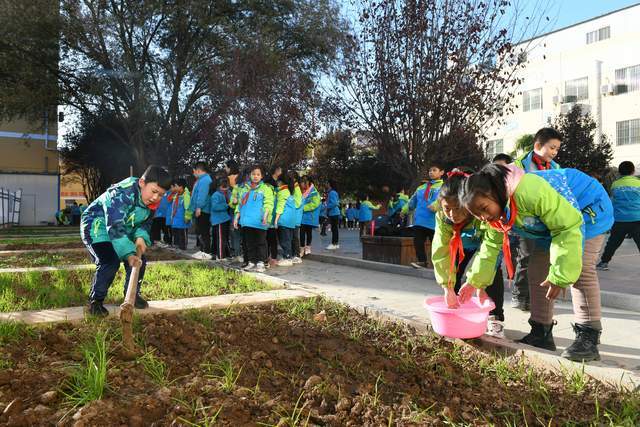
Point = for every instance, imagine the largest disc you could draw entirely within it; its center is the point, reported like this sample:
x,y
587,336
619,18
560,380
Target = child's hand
x,y
134,261
553,291
264,219
141,246
465,293
235,223
451,298
198,212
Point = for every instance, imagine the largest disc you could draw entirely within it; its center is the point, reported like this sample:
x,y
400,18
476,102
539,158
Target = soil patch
x,y
289,364
45,244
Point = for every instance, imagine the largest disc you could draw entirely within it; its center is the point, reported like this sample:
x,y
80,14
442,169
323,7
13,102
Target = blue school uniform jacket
x,y
625,196
311,206
365,213
178,210
525,162
161,212
219,207
420,202
286,207
333,203
584,193
255,202
200,196
352,214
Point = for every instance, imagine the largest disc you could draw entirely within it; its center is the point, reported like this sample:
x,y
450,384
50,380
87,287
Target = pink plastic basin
x,y
467,321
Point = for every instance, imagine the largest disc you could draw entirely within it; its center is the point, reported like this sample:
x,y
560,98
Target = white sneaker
x,y
332,247
260,267
201,255
307,250
161,244
250,267
301,253
285,262
239,258
296,260
495,328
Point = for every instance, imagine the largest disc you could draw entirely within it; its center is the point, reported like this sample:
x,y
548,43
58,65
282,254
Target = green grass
x,y
155,368
12,331
89,380
44,258
43,239
65,288
38,231
225,370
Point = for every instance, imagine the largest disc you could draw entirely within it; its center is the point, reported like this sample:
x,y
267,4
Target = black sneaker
x,y
520,303
140,303
585,346
603,266
97,309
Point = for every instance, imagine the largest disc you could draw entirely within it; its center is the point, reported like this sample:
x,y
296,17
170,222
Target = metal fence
x,y
9,207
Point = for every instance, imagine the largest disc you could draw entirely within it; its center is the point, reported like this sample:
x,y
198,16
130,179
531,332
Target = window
x,y
598,35
576,90
532,99
629,77
628,132
493,147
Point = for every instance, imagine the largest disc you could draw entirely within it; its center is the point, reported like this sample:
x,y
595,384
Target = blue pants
x,y
107,265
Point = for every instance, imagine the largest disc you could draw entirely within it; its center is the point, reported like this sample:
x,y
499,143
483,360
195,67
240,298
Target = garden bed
x,y
66,288
288,364
44,243
81,256
29,231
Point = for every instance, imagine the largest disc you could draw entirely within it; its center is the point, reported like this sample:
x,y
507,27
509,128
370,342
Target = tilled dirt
x,y
293,365
53,258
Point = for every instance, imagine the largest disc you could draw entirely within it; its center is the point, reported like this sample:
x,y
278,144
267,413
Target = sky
x,y
573,11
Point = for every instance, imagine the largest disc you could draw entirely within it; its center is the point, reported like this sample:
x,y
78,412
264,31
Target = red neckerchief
x,y
505,228
541,163
306,193
174,207
225,194
246,195
154,206
283,187
456,250
427,191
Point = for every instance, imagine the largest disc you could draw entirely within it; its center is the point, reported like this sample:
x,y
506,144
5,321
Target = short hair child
x,y
115,228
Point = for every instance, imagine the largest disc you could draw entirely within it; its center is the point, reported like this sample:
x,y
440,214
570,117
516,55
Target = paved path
x,y
403,296
623,276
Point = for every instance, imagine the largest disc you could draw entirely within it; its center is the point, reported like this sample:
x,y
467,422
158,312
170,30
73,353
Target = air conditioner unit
x,y
606,89
621,89
556,100
567,107
569,99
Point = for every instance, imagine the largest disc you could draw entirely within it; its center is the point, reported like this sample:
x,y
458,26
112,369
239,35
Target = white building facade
x,y
595,64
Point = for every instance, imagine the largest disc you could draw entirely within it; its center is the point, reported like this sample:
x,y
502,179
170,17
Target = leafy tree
x,y
524,144
579,150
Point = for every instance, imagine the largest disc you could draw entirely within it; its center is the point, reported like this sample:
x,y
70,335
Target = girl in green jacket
x,y
458,236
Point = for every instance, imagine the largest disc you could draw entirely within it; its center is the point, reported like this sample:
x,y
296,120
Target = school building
x,y
595,64
29,162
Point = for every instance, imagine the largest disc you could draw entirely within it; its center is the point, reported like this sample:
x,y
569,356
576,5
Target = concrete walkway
x,y
402,297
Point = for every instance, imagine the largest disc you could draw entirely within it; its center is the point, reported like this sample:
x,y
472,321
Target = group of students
x,y
245,215
556,218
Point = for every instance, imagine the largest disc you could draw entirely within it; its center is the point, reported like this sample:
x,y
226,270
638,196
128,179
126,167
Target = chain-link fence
x,y
9,207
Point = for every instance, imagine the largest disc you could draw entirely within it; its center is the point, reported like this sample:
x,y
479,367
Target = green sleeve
x,y
297,197
375,207
144,234
482,271
564,223
440,252
240,195
267,204
283,195
313,203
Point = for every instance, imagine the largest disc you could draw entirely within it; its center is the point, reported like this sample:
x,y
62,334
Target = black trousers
x,y
220,240
295,242
420,236
323,225
256,241
168,239
495,290
618,232
335,236
203,230
520,288
306,234
156,229
272,243
179,237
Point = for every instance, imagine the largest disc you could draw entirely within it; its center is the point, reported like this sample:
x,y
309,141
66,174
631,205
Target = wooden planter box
x,y
392,250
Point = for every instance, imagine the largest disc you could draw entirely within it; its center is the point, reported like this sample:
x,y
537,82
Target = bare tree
x,y
419,70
